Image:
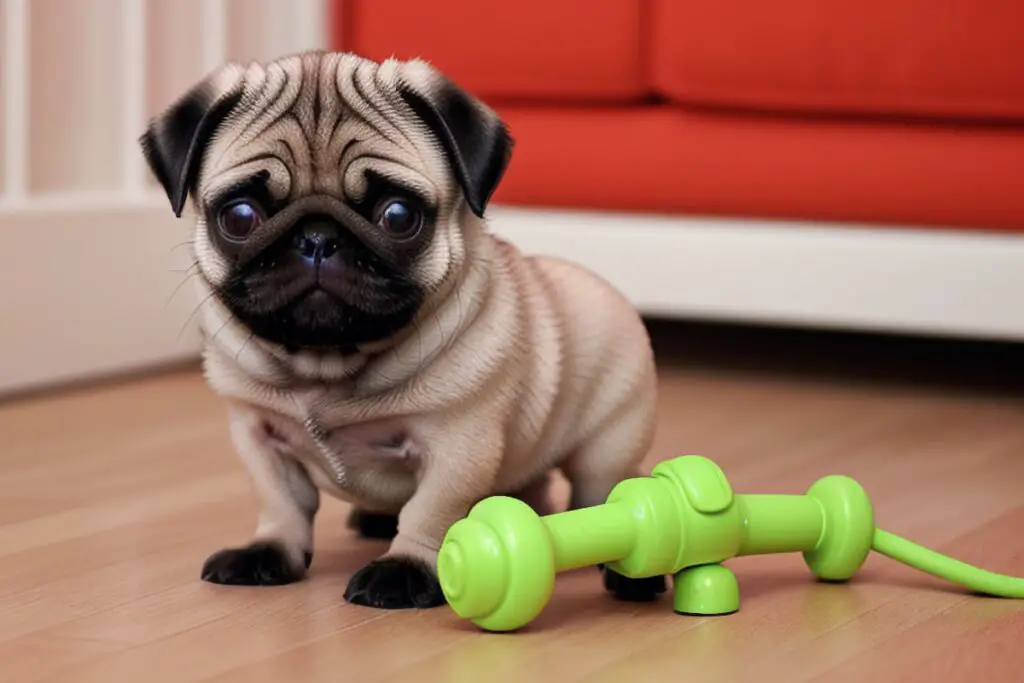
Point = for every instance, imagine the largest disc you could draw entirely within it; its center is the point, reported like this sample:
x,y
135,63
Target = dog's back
x,y
589,391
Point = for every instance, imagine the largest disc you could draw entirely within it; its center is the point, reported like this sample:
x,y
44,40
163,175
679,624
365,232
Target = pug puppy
x,y
373,341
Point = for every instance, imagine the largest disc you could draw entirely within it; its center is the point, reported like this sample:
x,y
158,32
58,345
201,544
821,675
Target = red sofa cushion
x,y
569,50
936,58
668,159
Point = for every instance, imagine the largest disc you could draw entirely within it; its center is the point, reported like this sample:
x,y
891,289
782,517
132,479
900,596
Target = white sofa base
x,y
853,277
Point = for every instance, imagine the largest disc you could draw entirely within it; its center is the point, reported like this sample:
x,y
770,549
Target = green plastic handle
x,y
497,567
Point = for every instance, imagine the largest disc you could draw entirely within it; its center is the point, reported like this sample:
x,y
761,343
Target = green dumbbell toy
x,y
497,566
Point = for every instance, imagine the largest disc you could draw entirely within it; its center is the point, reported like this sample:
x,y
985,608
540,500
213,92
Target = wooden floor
x,y
112,497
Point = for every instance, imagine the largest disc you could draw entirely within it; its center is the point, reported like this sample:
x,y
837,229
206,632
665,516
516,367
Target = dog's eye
x,y
398,218
239,219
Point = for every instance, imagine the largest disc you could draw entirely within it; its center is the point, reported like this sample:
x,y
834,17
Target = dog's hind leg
x,y
373,525
537,494
610,454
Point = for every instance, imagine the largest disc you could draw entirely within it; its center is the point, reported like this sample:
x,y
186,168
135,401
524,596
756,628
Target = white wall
x,y
88,257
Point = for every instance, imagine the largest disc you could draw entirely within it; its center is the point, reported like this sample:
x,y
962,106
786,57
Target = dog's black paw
x,y
262,563
395,583
373,525
633,590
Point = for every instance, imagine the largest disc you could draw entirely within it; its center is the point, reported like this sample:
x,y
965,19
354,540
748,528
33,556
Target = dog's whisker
x,y
188,243
219,330
440,327
244,344
195,265
398,345
458,298
178,288
394,343
419,340
188,320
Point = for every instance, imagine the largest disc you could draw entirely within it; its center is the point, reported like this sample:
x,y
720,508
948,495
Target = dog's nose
x,y
317,241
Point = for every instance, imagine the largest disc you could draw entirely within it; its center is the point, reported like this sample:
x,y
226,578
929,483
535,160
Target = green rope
x,y
937,564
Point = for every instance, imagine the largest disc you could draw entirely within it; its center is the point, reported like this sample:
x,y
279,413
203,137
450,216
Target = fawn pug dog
x,y
372,339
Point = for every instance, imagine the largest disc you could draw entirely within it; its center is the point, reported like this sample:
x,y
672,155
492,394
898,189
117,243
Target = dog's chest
x,y
382,439
354,447
376,459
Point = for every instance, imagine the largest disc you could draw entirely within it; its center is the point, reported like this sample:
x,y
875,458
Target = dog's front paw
x,y
262,563
395,583
633,590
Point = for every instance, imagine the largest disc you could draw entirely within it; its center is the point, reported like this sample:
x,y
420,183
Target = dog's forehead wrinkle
x,y
319,125
262,103
280,106
409,180
274,174
358,85
321,113
400,172
308,107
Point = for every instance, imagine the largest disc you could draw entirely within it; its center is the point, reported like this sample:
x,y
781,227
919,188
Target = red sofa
x,y
862,115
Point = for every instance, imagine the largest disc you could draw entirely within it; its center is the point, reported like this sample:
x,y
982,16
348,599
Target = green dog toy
x,y
497,566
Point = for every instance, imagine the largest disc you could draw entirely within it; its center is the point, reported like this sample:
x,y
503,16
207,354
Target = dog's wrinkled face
x,y
331,191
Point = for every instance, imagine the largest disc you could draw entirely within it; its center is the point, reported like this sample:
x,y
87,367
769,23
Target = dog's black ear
x,y
174,141
475,140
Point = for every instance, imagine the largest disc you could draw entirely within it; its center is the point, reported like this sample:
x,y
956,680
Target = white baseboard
x,y
854,277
